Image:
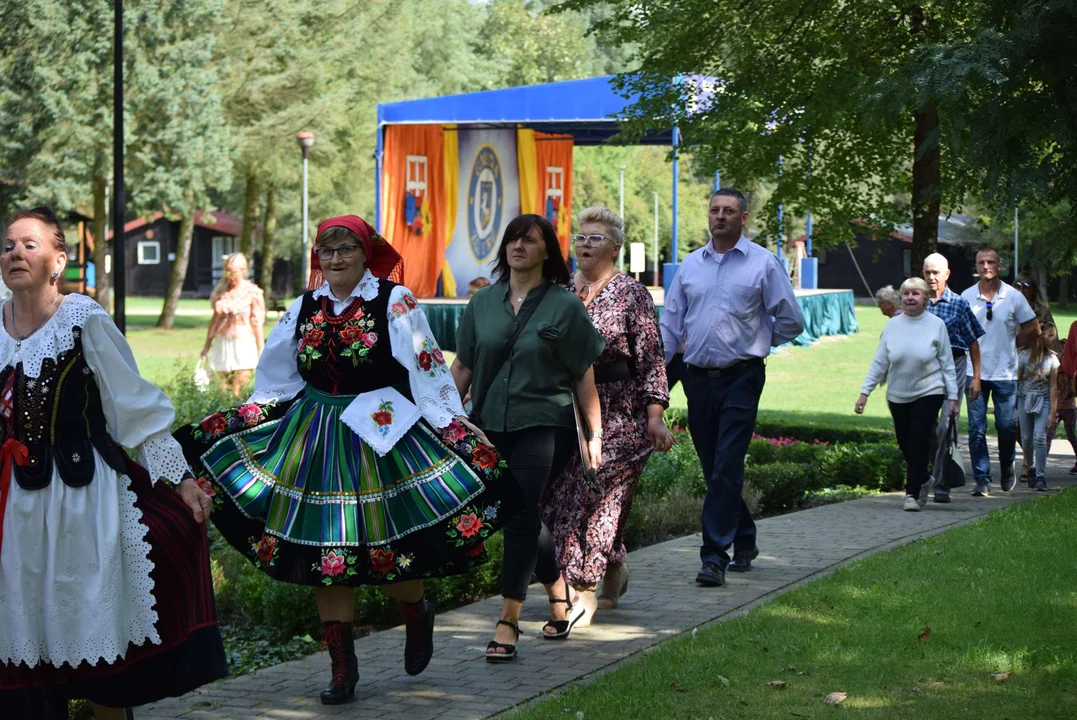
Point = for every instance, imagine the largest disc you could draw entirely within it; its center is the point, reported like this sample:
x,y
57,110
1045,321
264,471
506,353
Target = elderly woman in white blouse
x,y
914,355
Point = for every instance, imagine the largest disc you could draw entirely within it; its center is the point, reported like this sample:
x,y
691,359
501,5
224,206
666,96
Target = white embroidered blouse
x,y
436,398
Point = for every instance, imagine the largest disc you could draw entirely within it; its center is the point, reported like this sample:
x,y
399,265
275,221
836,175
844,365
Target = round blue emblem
x,y
485,196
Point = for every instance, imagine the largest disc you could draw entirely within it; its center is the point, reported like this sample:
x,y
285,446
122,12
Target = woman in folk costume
x,y
105,588
352,463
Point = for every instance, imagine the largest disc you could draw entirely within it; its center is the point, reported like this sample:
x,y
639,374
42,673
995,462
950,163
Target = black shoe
x,y
419,645
710,575
1007,480
339,640
942,498
509,654
742,559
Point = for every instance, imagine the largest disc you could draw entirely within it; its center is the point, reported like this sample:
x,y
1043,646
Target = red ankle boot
x,y
338,639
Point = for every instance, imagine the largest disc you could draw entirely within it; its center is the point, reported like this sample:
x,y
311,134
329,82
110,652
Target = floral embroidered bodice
x,y
349,353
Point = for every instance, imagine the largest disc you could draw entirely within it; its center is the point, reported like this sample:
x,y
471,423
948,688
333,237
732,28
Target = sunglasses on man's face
x,y
989,313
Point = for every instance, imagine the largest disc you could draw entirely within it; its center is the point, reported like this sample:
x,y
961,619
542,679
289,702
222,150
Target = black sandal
x,y
510,650
563,628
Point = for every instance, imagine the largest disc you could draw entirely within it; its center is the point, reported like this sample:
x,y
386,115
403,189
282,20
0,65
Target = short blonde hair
x,y
604,216
917,283
888,295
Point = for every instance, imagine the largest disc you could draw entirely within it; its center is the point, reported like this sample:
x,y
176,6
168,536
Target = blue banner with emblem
x,y
489,199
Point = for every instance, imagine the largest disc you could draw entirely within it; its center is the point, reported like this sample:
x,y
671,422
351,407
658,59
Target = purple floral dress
x,y
588,527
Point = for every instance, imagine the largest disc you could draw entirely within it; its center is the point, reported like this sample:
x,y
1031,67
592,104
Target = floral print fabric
x,y
588,527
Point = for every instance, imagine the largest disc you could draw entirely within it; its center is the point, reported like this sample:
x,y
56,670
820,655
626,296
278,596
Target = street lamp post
x,y
119,266
621,253
305,139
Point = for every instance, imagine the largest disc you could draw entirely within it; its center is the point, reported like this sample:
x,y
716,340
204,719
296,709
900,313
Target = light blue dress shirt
x,y
729,307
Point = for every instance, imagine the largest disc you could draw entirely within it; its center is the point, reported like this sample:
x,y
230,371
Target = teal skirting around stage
x,y
825,313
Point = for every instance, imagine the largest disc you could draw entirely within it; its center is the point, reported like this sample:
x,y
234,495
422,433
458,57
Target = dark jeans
x,y
535,456
721,419
914,424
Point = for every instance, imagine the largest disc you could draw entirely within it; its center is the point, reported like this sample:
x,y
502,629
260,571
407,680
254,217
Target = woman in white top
x,y
235,337
105,585
914,356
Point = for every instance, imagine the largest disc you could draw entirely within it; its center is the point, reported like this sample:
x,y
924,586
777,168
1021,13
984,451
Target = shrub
x,y
827,496
657,519
677,468
801,453
191,404
781,485
809,432
878,466
762,452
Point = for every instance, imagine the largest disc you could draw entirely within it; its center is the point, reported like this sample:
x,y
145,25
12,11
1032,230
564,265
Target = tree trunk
x,y
102,279
269,232
1041,278
1064,290
926,190
179,267
250,214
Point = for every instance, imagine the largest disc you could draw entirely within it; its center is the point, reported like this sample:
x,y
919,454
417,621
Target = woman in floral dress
x,y
352,463
588,524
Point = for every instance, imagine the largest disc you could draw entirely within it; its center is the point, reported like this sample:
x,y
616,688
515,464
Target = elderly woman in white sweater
x,y
914,356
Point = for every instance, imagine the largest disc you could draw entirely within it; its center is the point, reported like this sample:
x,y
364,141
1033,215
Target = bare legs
x,y
338,603
510,611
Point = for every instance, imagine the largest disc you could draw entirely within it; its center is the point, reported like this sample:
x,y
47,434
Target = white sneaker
x,y
911,504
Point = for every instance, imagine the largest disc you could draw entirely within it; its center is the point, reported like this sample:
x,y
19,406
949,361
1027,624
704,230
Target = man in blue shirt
x,y
965,333
731,301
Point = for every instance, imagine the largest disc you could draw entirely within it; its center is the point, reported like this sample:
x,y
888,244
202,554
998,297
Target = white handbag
x,y
201,375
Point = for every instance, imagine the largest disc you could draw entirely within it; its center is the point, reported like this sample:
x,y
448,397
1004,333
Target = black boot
x,y
419,645
337,637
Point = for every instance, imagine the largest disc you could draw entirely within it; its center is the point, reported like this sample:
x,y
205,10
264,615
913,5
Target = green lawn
x,y
999,596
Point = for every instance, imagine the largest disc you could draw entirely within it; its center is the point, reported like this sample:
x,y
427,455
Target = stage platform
x,y
826,312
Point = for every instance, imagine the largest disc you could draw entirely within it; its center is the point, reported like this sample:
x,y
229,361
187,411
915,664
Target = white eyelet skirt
x,y
232,354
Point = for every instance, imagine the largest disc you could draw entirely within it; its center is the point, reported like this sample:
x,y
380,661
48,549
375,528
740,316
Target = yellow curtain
x,y
452,189
526,161
414,197
554,151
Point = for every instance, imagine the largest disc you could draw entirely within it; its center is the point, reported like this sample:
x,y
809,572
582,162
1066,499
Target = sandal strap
x,y
514,626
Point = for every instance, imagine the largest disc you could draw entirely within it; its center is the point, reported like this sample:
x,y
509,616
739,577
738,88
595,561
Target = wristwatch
x,y
597,435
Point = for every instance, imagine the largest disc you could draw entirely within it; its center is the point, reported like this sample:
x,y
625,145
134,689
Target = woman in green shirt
x,y
522,399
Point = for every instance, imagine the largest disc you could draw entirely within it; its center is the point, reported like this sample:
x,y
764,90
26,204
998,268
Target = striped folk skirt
x,y
308,502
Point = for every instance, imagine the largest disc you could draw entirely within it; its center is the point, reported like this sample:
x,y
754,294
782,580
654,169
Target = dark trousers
x,y
914,425
721,419
535,456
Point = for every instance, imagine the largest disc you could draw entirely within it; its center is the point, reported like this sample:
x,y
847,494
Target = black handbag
x,y
953,472
522,319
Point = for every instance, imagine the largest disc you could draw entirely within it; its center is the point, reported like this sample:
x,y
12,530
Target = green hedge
x,y
809,432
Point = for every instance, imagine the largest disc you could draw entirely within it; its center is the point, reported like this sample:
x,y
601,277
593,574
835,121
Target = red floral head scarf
x,y
382,260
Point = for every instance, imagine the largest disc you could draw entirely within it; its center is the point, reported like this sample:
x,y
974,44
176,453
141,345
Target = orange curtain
x,y
413,188
554,166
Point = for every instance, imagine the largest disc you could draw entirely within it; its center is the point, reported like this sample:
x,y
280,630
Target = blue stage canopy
x,y
584,109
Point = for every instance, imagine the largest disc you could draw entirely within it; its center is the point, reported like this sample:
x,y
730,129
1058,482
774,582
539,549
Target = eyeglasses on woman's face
x,y
1023,285
588,240
346,251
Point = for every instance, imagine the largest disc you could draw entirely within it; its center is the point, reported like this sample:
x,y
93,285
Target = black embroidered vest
x,y
349,354
59,418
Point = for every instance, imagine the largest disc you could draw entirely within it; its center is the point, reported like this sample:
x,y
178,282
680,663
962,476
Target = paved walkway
x,y
663,600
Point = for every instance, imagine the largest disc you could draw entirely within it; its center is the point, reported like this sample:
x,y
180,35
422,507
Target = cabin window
x,y
149,252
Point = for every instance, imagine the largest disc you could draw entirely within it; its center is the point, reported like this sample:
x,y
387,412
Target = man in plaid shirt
x,y
965,332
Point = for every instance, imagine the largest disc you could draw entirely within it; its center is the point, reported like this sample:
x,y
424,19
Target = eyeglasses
x,y
989,313
325,254
1023,284
588,240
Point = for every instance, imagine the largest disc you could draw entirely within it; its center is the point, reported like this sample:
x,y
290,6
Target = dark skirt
x,y
309,502
191,652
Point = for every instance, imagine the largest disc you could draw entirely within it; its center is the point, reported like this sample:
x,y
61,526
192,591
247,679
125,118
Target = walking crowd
x,y
993,342
364,458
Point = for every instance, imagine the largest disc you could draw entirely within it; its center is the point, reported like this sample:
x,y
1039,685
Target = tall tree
x,y
184,147
852,99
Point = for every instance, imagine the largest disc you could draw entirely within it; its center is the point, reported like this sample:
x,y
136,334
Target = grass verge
x,y
999,596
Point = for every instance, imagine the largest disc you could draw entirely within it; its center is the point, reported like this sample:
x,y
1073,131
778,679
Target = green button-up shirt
x,y
534,386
